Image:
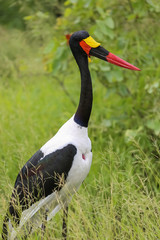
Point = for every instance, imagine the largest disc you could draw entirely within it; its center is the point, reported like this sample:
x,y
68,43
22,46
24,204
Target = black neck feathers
x,y
83,112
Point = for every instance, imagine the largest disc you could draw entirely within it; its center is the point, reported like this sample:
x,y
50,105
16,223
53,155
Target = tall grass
x,y
120,198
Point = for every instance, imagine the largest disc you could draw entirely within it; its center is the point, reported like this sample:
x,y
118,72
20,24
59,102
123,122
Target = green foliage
x,y
10,14
13,12
120,197
125,29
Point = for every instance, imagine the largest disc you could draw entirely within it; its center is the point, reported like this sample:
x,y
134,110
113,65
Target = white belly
x,y
80,169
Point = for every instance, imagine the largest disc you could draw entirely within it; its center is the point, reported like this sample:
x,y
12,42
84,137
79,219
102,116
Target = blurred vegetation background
x,y
39,91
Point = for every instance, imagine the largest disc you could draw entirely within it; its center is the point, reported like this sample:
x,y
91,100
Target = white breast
x,y
72,133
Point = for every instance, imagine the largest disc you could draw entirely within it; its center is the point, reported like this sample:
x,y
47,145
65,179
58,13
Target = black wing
x,y
39,177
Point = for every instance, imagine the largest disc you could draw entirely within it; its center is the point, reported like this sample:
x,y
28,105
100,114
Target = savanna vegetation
x,y
39,91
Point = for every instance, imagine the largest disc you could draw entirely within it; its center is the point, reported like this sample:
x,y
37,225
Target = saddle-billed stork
x,y
51,176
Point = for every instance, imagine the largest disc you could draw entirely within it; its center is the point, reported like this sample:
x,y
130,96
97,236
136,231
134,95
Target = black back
x,y
39,177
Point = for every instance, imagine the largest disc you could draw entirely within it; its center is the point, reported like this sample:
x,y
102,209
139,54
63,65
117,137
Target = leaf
x,y
100,10
104,29
42,15
123,90
110,91
115,76
49,48
56,66
98,34
109,32
110,77
60,51
109,22
118,76
27,18
87,4
68,12
104,67
101,25
154,124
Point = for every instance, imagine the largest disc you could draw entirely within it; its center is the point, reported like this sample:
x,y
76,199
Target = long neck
x,y
83,112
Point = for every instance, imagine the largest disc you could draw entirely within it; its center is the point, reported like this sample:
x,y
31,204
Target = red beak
x,y
111,58
103,54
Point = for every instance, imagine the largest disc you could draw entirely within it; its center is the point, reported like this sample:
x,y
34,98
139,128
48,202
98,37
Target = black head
x,y
74,43
82,44
78,36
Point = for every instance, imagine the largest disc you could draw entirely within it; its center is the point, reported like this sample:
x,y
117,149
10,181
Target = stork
x,y
47,182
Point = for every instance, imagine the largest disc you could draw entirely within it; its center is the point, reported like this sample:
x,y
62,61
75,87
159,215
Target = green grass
x,y
120,199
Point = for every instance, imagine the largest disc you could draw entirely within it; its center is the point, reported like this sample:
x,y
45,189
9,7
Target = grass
x,y
120,198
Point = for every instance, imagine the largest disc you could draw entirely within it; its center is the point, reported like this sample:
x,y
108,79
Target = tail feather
x,y
32,218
